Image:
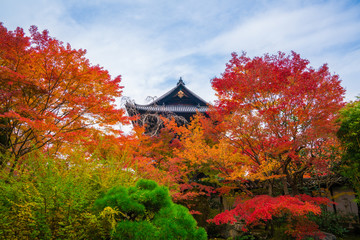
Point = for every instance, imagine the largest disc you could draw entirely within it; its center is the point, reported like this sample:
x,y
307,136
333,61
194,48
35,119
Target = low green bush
x,y
147,212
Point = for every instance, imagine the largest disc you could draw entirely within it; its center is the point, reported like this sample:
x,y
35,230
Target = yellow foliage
x,y
108,215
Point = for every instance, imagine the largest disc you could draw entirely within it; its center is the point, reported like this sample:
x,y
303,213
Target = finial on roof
x,y
180,82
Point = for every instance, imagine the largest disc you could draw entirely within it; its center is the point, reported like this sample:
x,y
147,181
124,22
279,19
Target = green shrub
x,y
147,212
331,222
50,198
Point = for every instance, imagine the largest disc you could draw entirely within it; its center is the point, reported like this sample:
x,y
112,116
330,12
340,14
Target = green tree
x,y
52,198
349,135
147,212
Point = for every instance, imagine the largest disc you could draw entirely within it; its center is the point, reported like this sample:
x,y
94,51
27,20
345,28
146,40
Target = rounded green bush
x,y
146,211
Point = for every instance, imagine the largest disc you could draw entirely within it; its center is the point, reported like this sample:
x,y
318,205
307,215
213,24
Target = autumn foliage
x,y
272,125
262,209
50,93
280,113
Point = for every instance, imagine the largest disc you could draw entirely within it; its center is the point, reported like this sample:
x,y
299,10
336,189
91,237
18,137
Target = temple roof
x,y
179,95
172,108
179,100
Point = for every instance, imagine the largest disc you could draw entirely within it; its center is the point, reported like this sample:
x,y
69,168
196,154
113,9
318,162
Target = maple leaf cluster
x,y
263,208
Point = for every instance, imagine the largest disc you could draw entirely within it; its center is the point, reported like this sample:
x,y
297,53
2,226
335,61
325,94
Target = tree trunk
x,y
270,188
285,187
4,139
294,186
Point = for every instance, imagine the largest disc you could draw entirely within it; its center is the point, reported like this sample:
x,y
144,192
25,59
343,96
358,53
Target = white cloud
x,y
152,43
309,29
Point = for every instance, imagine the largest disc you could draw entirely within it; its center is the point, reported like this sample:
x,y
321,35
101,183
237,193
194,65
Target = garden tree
x,y
280,113
349,135
50,93
264,209
147,212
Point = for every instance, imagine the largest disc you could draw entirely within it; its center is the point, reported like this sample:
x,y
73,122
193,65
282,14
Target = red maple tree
x,y
263,209
280,113
50,93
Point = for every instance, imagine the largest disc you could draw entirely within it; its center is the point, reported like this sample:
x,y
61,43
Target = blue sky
x,y
152,43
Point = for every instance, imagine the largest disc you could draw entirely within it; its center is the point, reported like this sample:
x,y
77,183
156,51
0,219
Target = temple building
x,y
179,102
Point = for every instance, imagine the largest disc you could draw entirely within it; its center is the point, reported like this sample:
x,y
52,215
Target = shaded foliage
x,y
349,135
331,222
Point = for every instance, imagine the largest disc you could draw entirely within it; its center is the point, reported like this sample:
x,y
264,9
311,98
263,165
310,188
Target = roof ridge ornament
x,y
180,82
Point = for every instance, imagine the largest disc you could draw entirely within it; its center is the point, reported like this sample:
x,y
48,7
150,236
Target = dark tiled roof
x,y
171,108
179,100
